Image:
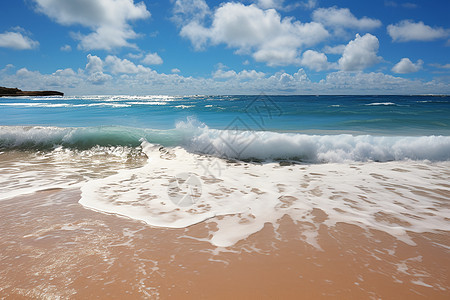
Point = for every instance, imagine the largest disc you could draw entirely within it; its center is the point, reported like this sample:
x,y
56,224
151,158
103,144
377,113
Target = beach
x,y
276,198
196,149
53,247
61,250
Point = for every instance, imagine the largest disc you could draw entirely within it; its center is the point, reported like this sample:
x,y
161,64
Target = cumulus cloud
x,y
7,68
66,48
252,30
310,4
94,64
439,66
94,71
108,20
17,41
341,82
340,19
315,60
95,68
99,78
24,72
369,83
360,53
279,4
185,11
152,59
407,30
270,3
339,49
405,65
65,72
242,75
117,65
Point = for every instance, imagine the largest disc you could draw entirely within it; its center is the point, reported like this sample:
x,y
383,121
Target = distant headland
x,y
15,92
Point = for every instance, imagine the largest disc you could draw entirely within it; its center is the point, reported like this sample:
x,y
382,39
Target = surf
x,y
197,137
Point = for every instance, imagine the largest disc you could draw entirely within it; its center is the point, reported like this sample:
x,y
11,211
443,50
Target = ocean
x,y
317,180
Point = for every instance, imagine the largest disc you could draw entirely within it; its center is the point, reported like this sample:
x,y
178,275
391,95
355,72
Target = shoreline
x,y
54,247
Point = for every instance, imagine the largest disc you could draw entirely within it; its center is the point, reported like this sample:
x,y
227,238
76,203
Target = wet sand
x,y
51,246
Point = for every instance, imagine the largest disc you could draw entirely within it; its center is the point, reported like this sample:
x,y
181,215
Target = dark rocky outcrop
x,y
15,92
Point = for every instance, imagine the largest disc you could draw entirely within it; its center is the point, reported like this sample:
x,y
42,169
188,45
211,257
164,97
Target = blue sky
x,y
189,47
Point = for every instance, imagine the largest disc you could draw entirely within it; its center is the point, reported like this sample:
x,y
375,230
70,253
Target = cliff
x,y
15,92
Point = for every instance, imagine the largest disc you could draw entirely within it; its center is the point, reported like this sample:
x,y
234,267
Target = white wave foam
x,y
380,103
395,197
109,104
50,105
24,172
266,145
148,103
34,104
184,106
262,145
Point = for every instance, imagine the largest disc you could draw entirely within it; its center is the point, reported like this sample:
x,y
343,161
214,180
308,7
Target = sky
x,y
189,47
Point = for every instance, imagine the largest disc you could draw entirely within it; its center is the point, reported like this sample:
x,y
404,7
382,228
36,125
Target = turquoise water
x,y
408,115
280,126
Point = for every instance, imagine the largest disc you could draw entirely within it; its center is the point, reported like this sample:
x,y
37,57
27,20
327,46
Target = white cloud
x,y
369,83
341,18
108,19
242,75
315,60
66,48
94,70
118,65
175,70
405,5
360,53
185,11
7,68
65,72
405,65
261,33
407,30
152,59
310,4
446,66
135,56
341,82
24,72
94,64
265,4
339,49
279,4
17,41
99,78
250,74
222,74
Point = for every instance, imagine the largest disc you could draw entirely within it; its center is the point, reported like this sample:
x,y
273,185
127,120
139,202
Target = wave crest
x,y
261,145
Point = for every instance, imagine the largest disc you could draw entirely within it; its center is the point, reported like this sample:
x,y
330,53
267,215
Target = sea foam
x,y
242,197
237,144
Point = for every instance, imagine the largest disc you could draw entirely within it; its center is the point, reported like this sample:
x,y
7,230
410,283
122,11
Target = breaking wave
x,y
236,144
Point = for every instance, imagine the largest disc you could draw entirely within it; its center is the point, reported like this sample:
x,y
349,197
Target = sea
x,y
237,164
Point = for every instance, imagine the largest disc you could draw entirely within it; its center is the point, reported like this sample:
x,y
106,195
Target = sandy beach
x,y
198,149
52,247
